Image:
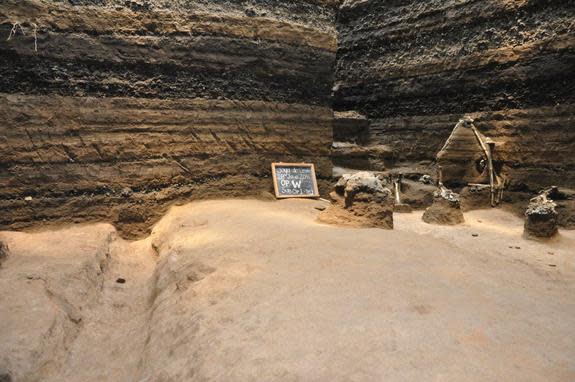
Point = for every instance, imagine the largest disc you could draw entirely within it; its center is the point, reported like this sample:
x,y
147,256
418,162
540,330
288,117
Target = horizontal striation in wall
x,y
113,110
415,67
98,51
532,147
86,148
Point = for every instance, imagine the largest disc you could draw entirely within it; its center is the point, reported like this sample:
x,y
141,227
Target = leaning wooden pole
x,y
487,151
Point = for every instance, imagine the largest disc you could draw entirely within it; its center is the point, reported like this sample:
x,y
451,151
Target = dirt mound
x,y
446,208
360,200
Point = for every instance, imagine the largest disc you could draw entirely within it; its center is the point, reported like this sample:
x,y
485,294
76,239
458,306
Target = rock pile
x,y
445,210
541,218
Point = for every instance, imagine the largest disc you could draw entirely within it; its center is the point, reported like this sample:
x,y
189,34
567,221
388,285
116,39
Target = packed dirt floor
x,y
246,290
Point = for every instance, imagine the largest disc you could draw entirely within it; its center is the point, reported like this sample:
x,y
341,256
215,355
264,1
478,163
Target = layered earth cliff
x,y
413,68
112,110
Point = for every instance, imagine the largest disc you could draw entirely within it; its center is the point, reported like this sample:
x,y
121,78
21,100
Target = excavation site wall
x,y
112,110
413,68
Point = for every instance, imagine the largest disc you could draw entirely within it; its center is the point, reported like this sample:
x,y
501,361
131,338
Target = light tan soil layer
x,y
247,290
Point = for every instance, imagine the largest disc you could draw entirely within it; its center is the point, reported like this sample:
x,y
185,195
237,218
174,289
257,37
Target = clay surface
x,y
247,290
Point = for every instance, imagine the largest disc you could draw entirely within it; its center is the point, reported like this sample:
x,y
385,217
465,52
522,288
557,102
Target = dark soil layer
x,y
114,110
106,104
415,67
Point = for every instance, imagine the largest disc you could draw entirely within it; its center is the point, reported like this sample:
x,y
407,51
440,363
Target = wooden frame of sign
x,y
277,191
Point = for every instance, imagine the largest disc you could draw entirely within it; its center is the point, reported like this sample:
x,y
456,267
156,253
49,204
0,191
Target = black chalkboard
x,y
294,180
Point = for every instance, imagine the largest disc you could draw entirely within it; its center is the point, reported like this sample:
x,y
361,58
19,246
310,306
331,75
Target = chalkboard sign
x,y
294,180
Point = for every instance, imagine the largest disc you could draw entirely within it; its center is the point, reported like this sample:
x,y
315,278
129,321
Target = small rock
x,y
320,208
126,192
474,234
366,196
552,265
28,198
426,179
361,182
340,185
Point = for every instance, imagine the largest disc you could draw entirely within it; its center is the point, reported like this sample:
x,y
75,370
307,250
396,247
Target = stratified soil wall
x,y
112,110
415,67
